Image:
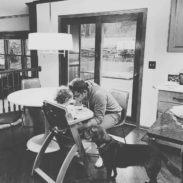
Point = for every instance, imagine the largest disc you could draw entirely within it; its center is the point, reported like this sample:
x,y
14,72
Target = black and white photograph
x,y
91,91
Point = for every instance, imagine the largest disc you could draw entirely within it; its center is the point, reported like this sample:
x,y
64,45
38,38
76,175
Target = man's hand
x,y
82,126
91,122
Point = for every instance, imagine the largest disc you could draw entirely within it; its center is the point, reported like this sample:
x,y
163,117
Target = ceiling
x,y
13,7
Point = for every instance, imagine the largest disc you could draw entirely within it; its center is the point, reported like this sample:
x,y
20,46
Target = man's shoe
x,y
99,163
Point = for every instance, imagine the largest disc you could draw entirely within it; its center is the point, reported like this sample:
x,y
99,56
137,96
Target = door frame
x,y
64,20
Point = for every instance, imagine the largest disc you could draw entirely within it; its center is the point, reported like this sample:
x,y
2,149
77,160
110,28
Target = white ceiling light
x,y
50,42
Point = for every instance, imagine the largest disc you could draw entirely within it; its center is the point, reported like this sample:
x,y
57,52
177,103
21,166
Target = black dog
x,y
117,154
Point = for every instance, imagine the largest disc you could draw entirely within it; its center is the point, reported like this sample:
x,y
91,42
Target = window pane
x,y
87,61
74,54
28,61
73,65
1,46
14,62
14,47
118,56
27,51
2,62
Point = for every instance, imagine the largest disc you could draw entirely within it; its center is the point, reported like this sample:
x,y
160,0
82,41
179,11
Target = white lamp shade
x,y
50,41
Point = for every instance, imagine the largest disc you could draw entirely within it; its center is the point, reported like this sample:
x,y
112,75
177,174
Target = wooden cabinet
x,y
169,98
175,39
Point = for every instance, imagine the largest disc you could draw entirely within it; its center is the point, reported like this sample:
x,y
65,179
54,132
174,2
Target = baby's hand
x,y
69,117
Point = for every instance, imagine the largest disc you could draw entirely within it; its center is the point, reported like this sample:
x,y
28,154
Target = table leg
x,y
34,118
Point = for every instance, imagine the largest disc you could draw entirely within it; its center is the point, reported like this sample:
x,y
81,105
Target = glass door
x,y
118,50
108,49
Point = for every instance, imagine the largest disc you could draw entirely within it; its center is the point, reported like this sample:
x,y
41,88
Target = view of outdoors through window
x,y
118,49
87,58
14,54
2,59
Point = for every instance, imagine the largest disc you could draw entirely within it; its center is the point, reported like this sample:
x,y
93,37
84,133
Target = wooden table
x,y
33,99
168,131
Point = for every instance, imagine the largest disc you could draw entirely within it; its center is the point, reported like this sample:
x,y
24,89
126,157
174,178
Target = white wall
x,y
19,23
14,15
49,74
155,43
13,7
48,63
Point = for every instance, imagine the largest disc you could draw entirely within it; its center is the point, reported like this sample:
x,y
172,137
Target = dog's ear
x,y
94,131
89,132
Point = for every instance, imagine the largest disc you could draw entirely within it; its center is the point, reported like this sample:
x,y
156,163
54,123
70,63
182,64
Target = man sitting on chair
x,y
107,112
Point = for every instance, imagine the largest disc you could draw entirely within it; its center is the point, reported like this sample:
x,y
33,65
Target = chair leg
x,y
66,164
124,135
79,144
42,150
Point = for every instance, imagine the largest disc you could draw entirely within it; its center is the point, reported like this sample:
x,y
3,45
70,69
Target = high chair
x,y
67,138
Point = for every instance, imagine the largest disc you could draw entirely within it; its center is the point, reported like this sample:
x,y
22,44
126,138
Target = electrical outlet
x,y
152,64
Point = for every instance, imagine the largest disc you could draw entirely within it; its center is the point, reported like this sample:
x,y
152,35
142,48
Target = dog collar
x,y
105,146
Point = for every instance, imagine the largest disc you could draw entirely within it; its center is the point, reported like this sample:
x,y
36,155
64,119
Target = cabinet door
x,y
167,100
175,40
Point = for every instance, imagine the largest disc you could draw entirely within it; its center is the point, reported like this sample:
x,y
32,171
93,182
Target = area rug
x,y
145,138
119,130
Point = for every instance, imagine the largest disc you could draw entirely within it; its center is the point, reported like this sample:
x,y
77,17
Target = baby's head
x,y
63,95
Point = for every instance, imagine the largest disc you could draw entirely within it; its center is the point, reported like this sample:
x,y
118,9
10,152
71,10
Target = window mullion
x,y
98,51
23,60
7,64
79,49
